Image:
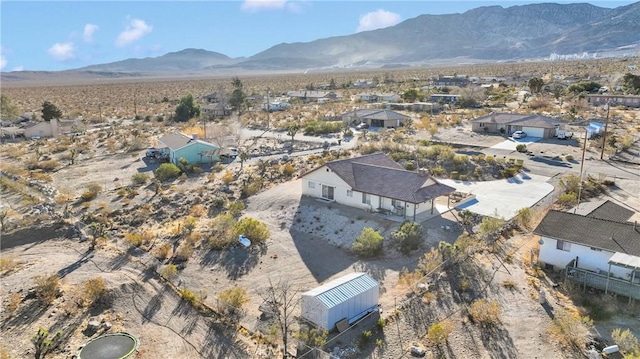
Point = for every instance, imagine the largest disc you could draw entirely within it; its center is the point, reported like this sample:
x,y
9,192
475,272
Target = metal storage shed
x,y
349,297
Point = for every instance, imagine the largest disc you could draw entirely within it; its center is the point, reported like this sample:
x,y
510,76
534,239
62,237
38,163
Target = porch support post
x,y
432,205
633,278
404,210
606,286
414,212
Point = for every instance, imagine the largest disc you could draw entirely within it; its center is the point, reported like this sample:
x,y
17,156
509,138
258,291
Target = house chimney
x,y
194,136
493,117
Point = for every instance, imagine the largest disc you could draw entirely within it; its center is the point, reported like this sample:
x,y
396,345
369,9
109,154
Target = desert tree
x,y
281,298
243,158
631,84
292,131
7,109
50,111
535,84
43,344
187,109
238,96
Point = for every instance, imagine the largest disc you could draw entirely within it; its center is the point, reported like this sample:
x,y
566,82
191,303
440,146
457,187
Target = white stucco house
x,y
600,249
43,129
375,182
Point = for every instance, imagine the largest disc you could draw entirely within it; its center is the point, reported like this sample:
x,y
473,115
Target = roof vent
x,y
194,136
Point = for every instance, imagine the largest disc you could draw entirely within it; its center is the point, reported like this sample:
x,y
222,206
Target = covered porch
x,y
602,280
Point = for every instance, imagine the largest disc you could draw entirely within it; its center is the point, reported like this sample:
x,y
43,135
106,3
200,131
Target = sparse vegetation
x,y
485,312
368,244
47,288
408,237
572,329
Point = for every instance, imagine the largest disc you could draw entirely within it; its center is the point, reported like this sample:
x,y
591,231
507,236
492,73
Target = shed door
x,y
533,131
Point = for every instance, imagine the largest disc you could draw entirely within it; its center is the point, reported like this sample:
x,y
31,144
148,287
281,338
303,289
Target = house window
x,y
366,198
349,193
563,246
396,204
312,184
482,124
595,249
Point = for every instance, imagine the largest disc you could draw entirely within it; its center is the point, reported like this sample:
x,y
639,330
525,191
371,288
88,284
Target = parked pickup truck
x,y
564,135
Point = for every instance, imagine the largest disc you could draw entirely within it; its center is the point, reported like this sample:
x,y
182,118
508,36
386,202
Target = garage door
x,y
533,131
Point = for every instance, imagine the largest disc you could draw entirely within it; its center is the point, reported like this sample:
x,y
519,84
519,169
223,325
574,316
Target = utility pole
x,y
268,109
604,136
584,150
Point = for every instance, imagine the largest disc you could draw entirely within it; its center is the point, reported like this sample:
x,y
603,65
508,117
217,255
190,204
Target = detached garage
x,y
349,297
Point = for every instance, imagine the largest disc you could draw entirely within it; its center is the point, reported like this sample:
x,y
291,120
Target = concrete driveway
x,y
503,197
512,143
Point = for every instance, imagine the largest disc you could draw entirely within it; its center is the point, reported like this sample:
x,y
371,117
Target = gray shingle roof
x,y
612,212
175,140
379,175
532,120
592,232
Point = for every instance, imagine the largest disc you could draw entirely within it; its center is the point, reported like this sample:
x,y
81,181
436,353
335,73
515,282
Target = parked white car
x,y
519,134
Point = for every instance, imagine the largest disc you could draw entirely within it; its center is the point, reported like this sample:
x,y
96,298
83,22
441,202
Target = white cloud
x,y
377,20
62,51
3,62
89,30
18,68
135,30
256,5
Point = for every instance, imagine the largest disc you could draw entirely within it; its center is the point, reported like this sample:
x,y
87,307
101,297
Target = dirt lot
x,y
308,246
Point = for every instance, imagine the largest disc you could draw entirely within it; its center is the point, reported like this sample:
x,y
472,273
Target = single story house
x,y
315,96
445,98
614,100
533,125
375,182
347,298
448,81
177,145
216,110
375,118
597,250
43,129
378,97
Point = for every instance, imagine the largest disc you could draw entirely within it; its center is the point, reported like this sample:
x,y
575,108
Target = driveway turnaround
x,y
512,143
503,198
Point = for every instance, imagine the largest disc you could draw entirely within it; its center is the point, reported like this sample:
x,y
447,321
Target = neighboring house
x,y
315,96
614,100
375,183
376,118
214,97
276,105
178,145
448,81
445,98
378,97
218,110
361,84
43,129
532,124
600,249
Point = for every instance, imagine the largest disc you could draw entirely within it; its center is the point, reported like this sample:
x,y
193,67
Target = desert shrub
x,y
568,199
627,341
429,262
7,264
568,157
189,296
233,299
167,171
197,210
365,337
162,252
381,323
312,337
439,333
235,208
169,272
13,303
571,328
253,229
460,159
139,179
525,216
490,160
315,128
288,170
227,177
250,189
438,171
47,288
410,166
222,234
485,312
521,148
94,291
571,183
463,177
408,237
88,196
183,253
490,226
134,239
47,166
510,284
368,244
454,174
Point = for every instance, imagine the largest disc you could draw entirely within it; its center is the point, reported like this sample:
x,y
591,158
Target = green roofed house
x,y
192,149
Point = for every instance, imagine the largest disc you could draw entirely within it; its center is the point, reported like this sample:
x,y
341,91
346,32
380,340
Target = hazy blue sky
x,y
58,35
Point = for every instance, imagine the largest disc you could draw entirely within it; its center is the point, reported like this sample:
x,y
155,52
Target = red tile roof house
x,y
600,249
375,183
532,124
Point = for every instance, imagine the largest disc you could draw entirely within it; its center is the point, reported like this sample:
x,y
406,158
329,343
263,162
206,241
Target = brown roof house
x,y
375,182
376,118
533,125
600,249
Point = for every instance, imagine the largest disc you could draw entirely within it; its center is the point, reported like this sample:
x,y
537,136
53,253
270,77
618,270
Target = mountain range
x,y
484,34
